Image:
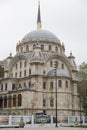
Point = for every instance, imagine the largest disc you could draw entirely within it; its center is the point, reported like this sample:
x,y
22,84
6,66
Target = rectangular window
x,y
51,102
20,64
1,87
86,92
60,83
44,72
29,71
20,74
62,66
51,63
24,84
44,85
14,100
21,49
27,48
13,86
15,75
66,84
51,85
42,47
5,101
29,84
5,87
16,66
50,48
25,73
25,64
44,103
20,86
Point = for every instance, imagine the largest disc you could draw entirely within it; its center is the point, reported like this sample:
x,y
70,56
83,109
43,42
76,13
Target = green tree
x,y
83,71
1,72
82,85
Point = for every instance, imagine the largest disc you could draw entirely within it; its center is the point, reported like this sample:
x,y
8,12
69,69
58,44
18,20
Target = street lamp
x,y
55,74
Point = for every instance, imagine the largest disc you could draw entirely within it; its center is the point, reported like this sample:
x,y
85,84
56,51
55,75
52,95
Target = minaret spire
x,y
39,25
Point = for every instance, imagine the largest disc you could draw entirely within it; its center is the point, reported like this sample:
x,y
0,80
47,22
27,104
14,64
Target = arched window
x,y
4,114
24,72
16,66
86,92
19,100
29,84
50,48
44,85
25,64
56,48
44,72
60,83
20,86
51,63
33,46
18,49
1,101
13,86
6,87
66,84
11,74
21,49
24,84
44,102
5,101
42,47
1,87
14,100
13,113
27,48
51,102
56,64
20,75
29,71
60,50
51,85
20,64
16,75
62,66
9,101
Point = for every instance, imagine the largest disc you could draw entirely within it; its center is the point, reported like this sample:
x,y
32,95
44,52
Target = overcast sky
x,y
67,19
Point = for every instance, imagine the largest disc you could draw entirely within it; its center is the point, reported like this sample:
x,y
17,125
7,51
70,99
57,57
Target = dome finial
x,y
71,53
39,24
10,54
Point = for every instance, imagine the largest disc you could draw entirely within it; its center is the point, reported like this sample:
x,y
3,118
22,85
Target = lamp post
x,y
55,74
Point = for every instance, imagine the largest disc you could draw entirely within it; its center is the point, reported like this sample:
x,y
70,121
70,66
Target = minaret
x,y
39,24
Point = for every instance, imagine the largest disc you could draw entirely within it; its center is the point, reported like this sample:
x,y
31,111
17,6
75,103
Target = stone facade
x,y
29,83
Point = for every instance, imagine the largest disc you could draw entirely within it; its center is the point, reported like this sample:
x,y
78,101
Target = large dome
x,y
40,35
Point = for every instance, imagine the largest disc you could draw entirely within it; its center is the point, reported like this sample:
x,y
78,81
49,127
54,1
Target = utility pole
x,y
55,74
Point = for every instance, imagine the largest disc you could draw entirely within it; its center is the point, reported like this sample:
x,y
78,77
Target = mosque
x,y
40,77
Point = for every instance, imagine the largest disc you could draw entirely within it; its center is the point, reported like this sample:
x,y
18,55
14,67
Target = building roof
x,y
40,35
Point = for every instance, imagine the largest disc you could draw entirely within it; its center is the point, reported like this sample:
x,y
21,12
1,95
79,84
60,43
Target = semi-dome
x,y
40,35
59,73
